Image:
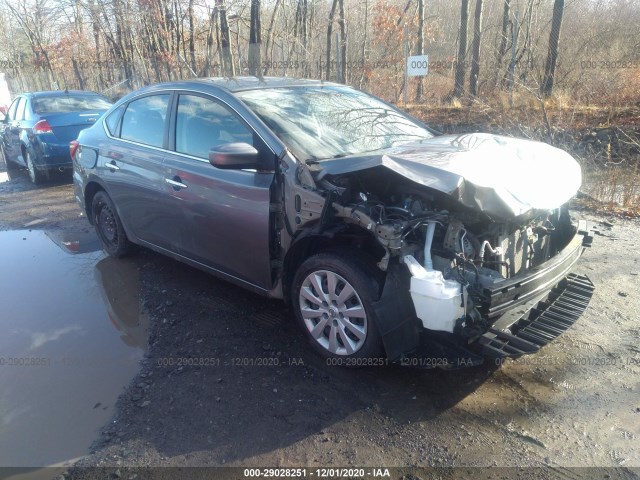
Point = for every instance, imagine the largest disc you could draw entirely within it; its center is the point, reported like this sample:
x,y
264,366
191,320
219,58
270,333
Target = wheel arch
x,y
333,239
90,190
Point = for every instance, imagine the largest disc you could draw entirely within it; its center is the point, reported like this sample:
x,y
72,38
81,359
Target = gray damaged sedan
x,y
389,241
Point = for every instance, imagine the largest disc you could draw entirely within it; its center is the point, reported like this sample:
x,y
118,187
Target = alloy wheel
x,y
333,312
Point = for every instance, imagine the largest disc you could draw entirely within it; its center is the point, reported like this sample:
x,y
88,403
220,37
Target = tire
x,y
345,338
108,226
37,177
9,165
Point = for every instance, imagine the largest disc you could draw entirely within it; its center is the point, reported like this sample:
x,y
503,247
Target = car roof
x,y
237,84
59,93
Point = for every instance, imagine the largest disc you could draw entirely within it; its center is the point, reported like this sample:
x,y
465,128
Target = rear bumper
x,y
50,156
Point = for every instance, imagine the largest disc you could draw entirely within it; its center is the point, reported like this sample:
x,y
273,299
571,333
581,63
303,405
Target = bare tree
x,y
32,21
270,34
255,65
475,49
504,35
343,44
458,88
546,89
192,41
225,40
332,13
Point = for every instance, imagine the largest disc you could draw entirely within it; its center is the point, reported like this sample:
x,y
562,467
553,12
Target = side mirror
x,y
234,156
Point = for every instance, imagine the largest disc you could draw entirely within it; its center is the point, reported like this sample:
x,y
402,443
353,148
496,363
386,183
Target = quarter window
x,y
203,124
113,119
143,120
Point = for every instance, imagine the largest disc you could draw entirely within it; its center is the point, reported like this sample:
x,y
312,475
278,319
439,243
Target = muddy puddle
x,y
73,333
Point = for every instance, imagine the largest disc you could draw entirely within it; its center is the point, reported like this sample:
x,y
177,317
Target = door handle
x,y
112,166
175,182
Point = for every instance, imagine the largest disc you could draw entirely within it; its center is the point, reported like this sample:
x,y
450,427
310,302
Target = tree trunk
x,y
270,36
255,67
504,35
420,45
365,41
546,88
475,49
343,44
329,32
192,43
76,70
458,89
225,41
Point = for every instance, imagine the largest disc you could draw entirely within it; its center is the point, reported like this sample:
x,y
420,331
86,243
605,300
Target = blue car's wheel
x,y
9,165
34,174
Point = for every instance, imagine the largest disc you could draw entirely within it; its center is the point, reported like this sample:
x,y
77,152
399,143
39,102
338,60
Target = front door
x,y
221,217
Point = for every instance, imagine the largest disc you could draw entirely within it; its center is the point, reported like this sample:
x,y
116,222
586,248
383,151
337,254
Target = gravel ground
x,y
258,396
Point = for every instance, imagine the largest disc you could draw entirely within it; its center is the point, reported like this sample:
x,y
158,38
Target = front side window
x,y
203,124
144,119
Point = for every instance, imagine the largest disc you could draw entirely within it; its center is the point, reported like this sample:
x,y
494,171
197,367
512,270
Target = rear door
x,y
131,166
220,217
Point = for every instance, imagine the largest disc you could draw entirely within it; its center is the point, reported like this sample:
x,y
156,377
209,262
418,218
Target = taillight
x,y
73,148
42,127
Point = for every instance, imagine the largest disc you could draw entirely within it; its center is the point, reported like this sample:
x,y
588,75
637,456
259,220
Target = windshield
x,y
69,103
322,122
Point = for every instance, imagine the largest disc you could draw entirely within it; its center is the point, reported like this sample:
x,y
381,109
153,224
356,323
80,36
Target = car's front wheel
x,y
332,295
108,226
9,164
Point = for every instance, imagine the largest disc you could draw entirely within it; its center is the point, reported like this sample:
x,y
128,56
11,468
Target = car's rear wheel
x,y
332,296
34,174
108,226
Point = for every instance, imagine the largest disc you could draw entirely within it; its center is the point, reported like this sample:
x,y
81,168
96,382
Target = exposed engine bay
x,y
453,253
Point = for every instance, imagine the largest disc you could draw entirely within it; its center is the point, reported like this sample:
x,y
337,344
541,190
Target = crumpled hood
x,y
501,176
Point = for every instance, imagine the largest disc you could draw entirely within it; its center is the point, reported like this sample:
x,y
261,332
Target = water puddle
x,y
73,333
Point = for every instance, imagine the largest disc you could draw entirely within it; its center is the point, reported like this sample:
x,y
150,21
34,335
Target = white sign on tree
x,y
418,65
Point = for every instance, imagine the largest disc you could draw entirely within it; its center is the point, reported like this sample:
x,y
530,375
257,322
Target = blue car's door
x,y
11,133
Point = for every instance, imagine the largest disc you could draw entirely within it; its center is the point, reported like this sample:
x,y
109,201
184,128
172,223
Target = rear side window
x,y
11,114
69,103
113,119
202,124
28,114
20,109
144,119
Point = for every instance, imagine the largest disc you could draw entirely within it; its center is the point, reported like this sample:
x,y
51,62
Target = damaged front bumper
x,y
526,312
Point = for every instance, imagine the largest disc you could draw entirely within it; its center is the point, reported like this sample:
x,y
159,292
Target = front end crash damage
x,y
473,235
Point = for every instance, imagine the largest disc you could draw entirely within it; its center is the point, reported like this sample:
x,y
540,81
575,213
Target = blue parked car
x,y
38,127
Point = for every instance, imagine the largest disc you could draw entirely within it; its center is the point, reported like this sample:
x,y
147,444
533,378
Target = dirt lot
x,y
575,404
